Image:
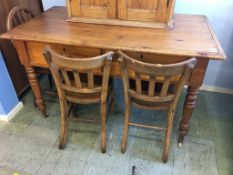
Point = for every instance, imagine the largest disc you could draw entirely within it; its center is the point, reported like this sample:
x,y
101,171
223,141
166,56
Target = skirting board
x,y
12,113
217,89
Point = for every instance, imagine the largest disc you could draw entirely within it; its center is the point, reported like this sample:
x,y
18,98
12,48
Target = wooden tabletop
x,y
192,35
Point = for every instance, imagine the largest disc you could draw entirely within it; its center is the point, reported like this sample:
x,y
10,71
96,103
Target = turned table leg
x,y
189,106
32,77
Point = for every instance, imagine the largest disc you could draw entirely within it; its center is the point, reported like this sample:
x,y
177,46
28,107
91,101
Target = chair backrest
x,y
17,16
76,75
163,75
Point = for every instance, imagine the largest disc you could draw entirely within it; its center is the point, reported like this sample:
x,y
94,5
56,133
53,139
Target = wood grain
x,y
144,13
102,9
192,36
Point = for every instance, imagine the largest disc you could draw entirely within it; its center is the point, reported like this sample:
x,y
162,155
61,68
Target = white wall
x,y
220,14
219,74
49,3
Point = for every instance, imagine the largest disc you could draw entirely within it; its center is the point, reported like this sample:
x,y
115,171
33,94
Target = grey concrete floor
x,y
29,143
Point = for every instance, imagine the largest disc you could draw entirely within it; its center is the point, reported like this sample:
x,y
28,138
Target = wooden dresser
x,y
138,13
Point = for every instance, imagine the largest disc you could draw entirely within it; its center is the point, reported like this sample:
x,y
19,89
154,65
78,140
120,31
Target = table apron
x,y
31,54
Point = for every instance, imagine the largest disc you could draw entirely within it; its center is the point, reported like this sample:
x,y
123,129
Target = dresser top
x,y
192,35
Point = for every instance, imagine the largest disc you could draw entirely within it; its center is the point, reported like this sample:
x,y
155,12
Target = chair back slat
x,y
75,75
90,79
167,90
24,16
14,23
77,80
18,13
151,90
17,16
138,83
165,86
66,77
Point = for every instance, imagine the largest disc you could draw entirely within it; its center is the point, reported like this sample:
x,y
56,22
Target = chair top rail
x,y
78,63
156,69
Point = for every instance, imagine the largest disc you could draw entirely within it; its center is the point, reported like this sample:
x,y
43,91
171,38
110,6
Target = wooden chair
x,y
171,77
19,15
71,87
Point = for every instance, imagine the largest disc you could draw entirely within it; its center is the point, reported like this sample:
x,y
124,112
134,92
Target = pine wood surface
x,y
143,13
192,35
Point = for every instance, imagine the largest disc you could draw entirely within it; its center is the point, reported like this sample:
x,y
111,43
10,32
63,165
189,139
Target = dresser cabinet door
x,y
102,9
143,10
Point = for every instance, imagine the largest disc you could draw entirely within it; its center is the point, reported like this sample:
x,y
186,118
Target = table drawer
x,y
35,52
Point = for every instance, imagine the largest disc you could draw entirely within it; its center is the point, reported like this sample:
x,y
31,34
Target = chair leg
x,y
126,128
63,127
103,127
166,146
